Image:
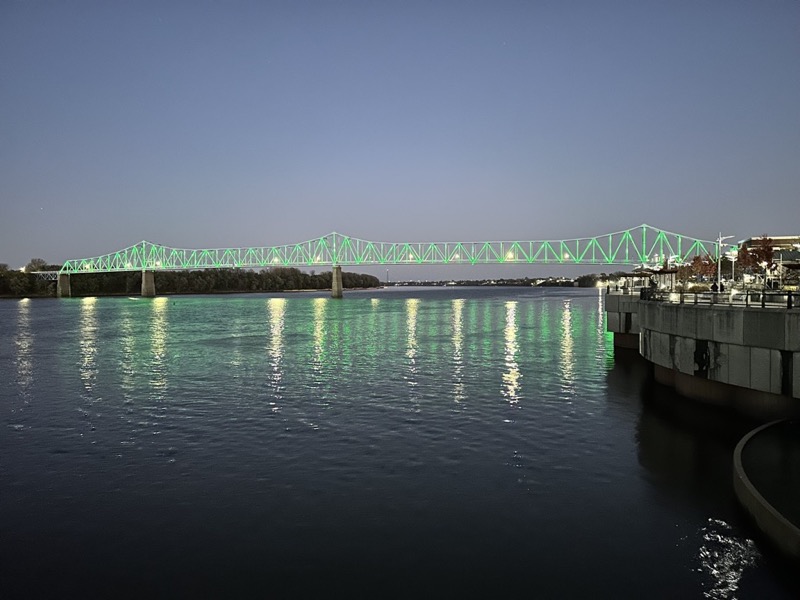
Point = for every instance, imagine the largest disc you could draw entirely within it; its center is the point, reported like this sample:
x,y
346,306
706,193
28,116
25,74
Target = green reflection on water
x,y
518,350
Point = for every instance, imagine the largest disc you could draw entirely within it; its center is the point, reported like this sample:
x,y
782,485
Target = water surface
x,y
457,442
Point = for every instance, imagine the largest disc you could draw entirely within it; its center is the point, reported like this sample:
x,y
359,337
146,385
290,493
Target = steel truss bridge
x,y
640,245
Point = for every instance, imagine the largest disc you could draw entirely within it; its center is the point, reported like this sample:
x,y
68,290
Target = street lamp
x,y
733,256
720,239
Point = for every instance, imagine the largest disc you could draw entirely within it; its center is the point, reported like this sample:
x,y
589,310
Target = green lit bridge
x,y
641,245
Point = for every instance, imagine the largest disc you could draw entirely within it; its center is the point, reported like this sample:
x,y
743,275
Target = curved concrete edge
x,y
783,533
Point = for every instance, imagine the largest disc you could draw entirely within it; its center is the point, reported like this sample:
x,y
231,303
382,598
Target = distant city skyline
x,y
215,124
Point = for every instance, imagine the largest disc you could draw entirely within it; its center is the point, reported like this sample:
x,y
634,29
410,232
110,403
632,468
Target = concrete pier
x,y
622,318
148,284
745,358
63,289
336,282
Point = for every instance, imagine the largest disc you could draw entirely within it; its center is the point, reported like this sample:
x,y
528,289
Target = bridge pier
x,y
148,284
63,289
336,282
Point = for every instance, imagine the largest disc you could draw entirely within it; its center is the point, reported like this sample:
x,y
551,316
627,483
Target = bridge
x,y
640,245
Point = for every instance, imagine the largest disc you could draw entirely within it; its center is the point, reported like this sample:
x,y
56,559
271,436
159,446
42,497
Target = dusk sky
x,y
226,123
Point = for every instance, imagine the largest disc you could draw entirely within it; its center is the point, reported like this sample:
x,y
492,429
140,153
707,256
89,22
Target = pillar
x,y
148,284
336,282
63,289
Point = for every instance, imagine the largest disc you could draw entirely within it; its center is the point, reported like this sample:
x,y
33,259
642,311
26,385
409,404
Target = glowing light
x,y
512,374
458,350
88,344
723,556
158,347
320,305
567,348
627,247
277,310
412,306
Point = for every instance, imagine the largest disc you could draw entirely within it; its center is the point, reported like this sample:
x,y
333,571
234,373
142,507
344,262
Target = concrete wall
x,y
63,289
336,282
780,530
148,284
753,352
622,318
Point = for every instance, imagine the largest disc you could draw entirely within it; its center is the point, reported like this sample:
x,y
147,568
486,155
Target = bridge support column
x,y
148,284
63,289
336,282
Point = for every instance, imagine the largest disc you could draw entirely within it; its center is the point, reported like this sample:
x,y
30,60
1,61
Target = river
x,y
405,442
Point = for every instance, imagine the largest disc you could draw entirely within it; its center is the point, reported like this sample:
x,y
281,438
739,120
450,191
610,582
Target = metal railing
x,y
747,298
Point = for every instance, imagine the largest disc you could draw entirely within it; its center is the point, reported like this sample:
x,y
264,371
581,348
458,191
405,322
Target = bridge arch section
x,y
641,245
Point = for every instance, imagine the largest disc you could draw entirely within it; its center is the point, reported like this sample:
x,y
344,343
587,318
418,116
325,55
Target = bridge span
x,y
641,245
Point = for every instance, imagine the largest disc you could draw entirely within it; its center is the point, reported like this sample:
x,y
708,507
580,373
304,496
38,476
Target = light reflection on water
x,y
724,557
512,375
341,368
128,354
412,306
319,333
458,349
23,345
276,308
88,345
159,332
567,347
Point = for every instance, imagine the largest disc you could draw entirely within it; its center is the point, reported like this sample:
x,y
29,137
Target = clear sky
x,y
228,123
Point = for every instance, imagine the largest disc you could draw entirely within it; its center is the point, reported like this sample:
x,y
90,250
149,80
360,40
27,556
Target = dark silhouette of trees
x,y
761,255
276,279
704,266
36,264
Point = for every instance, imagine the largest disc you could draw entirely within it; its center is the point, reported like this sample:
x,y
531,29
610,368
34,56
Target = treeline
x,y
276,279
592,279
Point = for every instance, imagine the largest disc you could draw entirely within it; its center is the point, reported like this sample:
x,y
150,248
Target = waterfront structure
x,y
741,355
745,357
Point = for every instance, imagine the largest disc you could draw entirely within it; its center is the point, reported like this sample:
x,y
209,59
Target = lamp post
x,y
733,256
720,239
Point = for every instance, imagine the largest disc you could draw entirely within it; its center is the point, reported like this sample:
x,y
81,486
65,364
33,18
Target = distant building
x,y
786,248
779,242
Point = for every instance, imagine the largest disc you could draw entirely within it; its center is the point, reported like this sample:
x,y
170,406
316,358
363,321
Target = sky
x,y
230,123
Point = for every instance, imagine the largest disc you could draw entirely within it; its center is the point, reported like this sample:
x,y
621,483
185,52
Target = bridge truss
x,y
641,245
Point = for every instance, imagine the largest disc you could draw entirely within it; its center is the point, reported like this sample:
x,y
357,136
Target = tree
x,y
684,274
36,264
704,266
761,255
